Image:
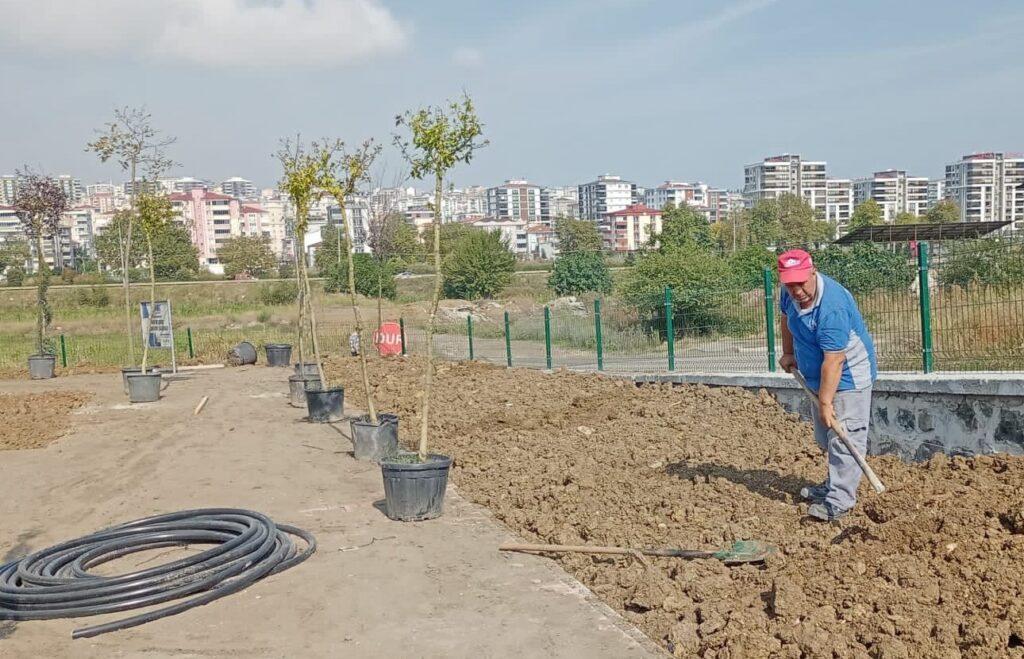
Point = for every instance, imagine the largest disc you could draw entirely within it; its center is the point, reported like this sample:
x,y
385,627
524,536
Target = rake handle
x,y
841,433
622,551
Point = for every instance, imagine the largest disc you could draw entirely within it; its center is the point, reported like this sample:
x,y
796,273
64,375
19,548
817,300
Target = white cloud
x,y
468,58
214,33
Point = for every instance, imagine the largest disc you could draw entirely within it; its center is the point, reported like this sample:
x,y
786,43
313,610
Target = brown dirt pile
x,y
35,420
931,568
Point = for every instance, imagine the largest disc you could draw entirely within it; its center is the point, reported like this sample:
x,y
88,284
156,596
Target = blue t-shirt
x,y
832,324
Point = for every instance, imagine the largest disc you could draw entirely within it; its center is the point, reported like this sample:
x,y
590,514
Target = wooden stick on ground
x,y
201,405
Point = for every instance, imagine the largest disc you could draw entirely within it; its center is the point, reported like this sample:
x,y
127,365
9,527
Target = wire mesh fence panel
x,y
977,305
632,340
15,347
526,332
893,318
720,331
573,341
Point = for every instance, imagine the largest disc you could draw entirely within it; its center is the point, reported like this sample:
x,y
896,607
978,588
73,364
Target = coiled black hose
x,y
56,582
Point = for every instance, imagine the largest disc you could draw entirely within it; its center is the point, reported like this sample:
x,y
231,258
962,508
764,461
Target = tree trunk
x,y
43,274
355,312
127,246
152,300
302,302
428,376
312,321
380,292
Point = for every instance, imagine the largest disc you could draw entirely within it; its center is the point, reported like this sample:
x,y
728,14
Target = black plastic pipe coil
x,y
56,582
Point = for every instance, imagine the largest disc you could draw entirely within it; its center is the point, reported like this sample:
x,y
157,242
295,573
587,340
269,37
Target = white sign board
x,y
157,328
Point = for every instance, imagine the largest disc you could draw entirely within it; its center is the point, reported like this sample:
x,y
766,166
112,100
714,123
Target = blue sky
x,y
567,89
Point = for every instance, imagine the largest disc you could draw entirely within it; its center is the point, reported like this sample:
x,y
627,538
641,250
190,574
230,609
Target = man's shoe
x,y
814,492
825,511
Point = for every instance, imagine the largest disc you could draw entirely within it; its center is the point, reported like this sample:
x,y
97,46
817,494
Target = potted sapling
x,y
39,204
154,214
439,138
307,175
374,436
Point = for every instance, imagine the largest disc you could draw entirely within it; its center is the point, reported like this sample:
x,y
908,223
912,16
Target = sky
x,y
650,90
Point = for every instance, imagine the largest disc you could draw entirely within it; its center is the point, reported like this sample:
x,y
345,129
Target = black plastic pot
x,y
307,368
325,406
144,387
414,491
374,442
278,354
129,370
41,367
297,386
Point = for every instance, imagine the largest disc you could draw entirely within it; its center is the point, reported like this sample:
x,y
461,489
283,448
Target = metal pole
x,y
669,330
927,356
508,342
63,352
191,346
469,331
401,326
547,335
597,334
769,318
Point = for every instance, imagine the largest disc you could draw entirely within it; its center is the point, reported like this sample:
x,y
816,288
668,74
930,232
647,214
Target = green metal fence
x,y
948,307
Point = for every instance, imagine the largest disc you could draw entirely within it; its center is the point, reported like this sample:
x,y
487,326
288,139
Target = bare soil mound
x,y
35,420
931,568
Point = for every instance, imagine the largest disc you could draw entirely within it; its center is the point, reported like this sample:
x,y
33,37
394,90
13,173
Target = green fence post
x,y
769,318
597,334
191,346
547,335
469,333
508,342
927,356
669,330
63,352
401,327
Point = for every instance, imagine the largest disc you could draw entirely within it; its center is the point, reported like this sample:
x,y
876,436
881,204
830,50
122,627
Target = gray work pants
x,y
853,411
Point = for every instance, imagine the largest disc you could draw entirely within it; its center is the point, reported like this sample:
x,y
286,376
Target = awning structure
x,y
903,233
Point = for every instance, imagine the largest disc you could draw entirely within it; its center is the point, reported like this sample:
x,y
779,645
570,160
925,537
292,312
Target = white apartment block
x,y
239,188
721,203
838,200
607,194
678,193
72,187
895,191
631,228
460,205
988,187
559,202
787,173
513,232
936,191
516,200
8,189
357,212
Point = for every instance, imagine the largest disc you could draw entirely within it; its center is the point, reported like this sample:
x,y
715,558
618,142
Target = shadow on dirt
x,y
767,483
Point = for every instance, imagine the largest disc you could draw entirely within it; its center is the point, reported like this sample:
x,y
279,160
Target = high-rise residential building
x,y
787,173
72,187
838,200
936,191
605,195
240,188
895,191
212,219
631,228
988,187
188,184
463,204
516,200
513,232
678,193
558,202
357,211
8,189
721,203
77,237
274,222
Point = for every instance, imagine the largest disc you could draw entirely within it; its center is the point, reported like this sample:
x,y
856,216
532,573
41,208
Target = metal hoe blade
x,y
746,551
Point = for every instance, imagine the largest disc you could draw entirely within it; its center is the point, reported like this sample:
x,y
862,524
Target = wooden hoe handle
x,y
841,433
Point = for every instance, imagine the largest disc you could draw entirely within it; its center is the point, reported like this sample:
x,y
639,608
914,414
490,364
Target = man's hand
x,y
788,363
827,414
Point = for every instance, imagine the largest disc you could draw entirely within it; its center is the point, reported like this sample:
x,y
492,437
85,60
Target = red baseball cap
x,y
795,266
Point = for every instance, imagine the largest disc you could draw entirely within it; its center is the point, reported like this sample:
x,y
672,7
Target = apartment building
x,y
607,194
212,219
936,191
513,232
357,210
516,200
556,202
8,189
894,191
777,175
838,200
678,193
988,187
239,188
631,228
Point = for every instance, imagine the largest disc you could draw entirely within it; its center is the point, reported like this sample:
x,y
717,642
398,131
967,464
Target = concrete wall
x,y
912,415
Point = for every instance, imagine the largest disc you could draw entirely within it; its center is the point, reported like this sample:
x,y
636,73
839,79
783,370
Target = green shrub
x,y
986,262
279,293
480,265
865,267
94,296
367,271
580,272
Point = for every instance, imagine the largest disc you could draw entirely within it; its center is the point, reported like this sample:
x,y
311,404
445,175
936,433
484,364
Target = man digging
x,y
825,338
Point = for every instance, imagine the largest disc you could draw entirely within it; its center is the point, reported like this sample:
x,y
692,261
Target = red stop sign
x,y
388,339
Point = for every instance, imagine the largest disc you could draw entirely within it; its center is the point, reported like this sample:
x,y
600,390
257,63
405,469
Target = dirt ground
x,y
930,568
374,588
